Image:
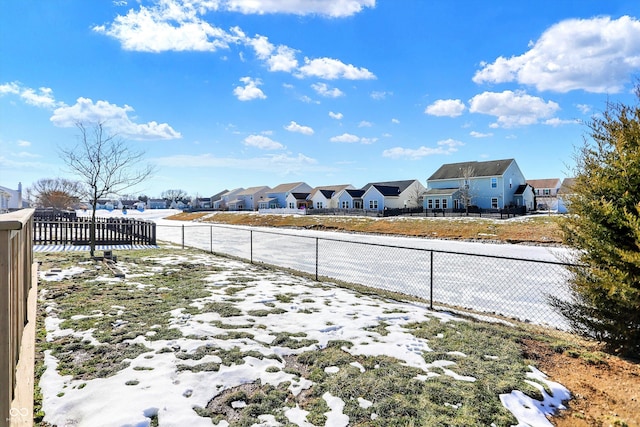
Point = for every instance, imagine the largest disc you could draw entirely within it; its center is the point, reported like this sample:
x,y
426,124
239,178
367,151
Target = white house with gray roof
x,y
378,196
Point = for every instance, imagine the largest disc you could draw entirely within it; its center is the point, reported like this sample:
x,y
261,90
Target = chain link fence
x,y
498,285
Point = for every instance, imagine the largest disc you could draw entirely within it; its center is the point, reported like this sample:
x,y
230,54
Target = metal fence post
x,y
251,246
431,282
211,238
317,257
182,236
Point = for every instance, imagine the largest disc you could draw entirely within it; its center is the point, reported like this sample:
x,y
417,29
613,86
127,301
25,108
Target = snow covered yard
x,y
188,338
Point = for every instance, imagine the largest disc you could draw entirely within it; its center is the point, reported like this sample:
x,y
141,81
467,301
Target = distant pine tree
x,y
604,226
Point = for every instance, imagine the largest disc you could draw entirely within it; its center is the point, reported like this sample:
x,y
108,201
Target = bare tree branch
x,y
105,165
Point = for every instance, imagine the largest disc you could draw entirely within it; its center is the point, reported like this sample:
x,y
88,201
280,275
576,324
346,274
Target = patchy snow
x,y
532,412
152,385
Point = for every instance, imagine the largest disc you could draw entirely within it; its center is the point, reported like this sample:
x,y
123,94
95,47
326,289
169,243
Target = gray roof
x,y
401,185
355,193
478,169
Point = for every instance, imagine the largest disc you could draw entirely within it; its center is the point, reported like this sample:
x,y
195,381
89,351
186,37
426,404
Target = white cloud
x,y
555,122
351,139
480,134
337,116
513,108
262,142
169,25
330,8
10,88
250,90
284,60
112,116
596,55
365,124
448,146
345,137
23,143
175,25
395,121
280,58
331,69
584,108
379,95
446,108
42,98
295,127
323,89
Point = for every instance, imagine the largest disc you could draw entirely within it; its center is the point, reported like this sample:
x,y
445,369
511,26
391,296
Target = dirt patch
x,y
605,389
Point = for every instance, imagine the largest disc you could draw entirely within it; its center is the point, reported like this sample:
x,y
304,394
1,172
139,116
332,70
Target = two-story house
x,y
487,185
546,192
222,202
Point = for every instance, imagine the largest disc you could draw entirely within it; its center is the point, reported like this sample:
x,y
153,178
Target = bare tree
x,y
105,165
416,196
466,192
174,195
56,193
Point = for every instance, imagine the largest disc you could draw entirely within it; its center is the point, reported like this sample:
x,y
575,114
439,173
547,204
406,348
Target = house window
x,y
494,182
494,203
437,203
319,205
546,192
429,203
291,205
456,204
345,204
373,204
444,203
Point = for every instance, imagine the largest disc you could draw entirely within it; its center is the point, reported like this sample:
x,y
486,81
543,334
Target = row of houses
x,y
495,184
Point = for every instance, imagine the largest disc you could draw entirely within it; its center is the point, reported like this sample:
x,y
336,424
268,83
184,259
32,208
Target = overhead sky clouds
x,y
332,90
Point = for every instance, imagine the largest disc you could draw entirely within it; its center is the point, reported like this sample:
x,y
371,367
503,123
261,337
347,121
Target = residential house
x,y
564,194
546,192
298,200
179,204
325,197
349,198
10,199
248,200
524,196
222,203
487,185
157,204
277,197
202,202
392,195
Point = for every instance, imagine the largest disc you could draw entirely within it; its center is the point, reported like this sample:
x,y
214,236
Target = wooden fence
x,y
18,292
109,231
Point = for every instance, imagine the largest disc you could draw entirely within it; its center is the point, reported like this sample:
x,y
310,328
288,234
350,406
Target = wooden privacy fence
x,y
109,231
18,289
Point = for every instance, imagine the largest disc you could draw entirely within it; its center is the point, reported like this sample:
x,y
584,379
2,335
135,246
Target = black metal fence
x,y
75,231
506,286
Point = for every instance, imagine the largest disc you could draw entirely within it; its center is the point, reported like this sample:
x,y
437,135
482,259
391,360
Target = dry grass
x,y
542,229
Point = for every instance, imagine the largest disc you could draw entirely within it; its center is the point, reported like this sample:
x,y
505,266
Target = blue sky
x,y
221,94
